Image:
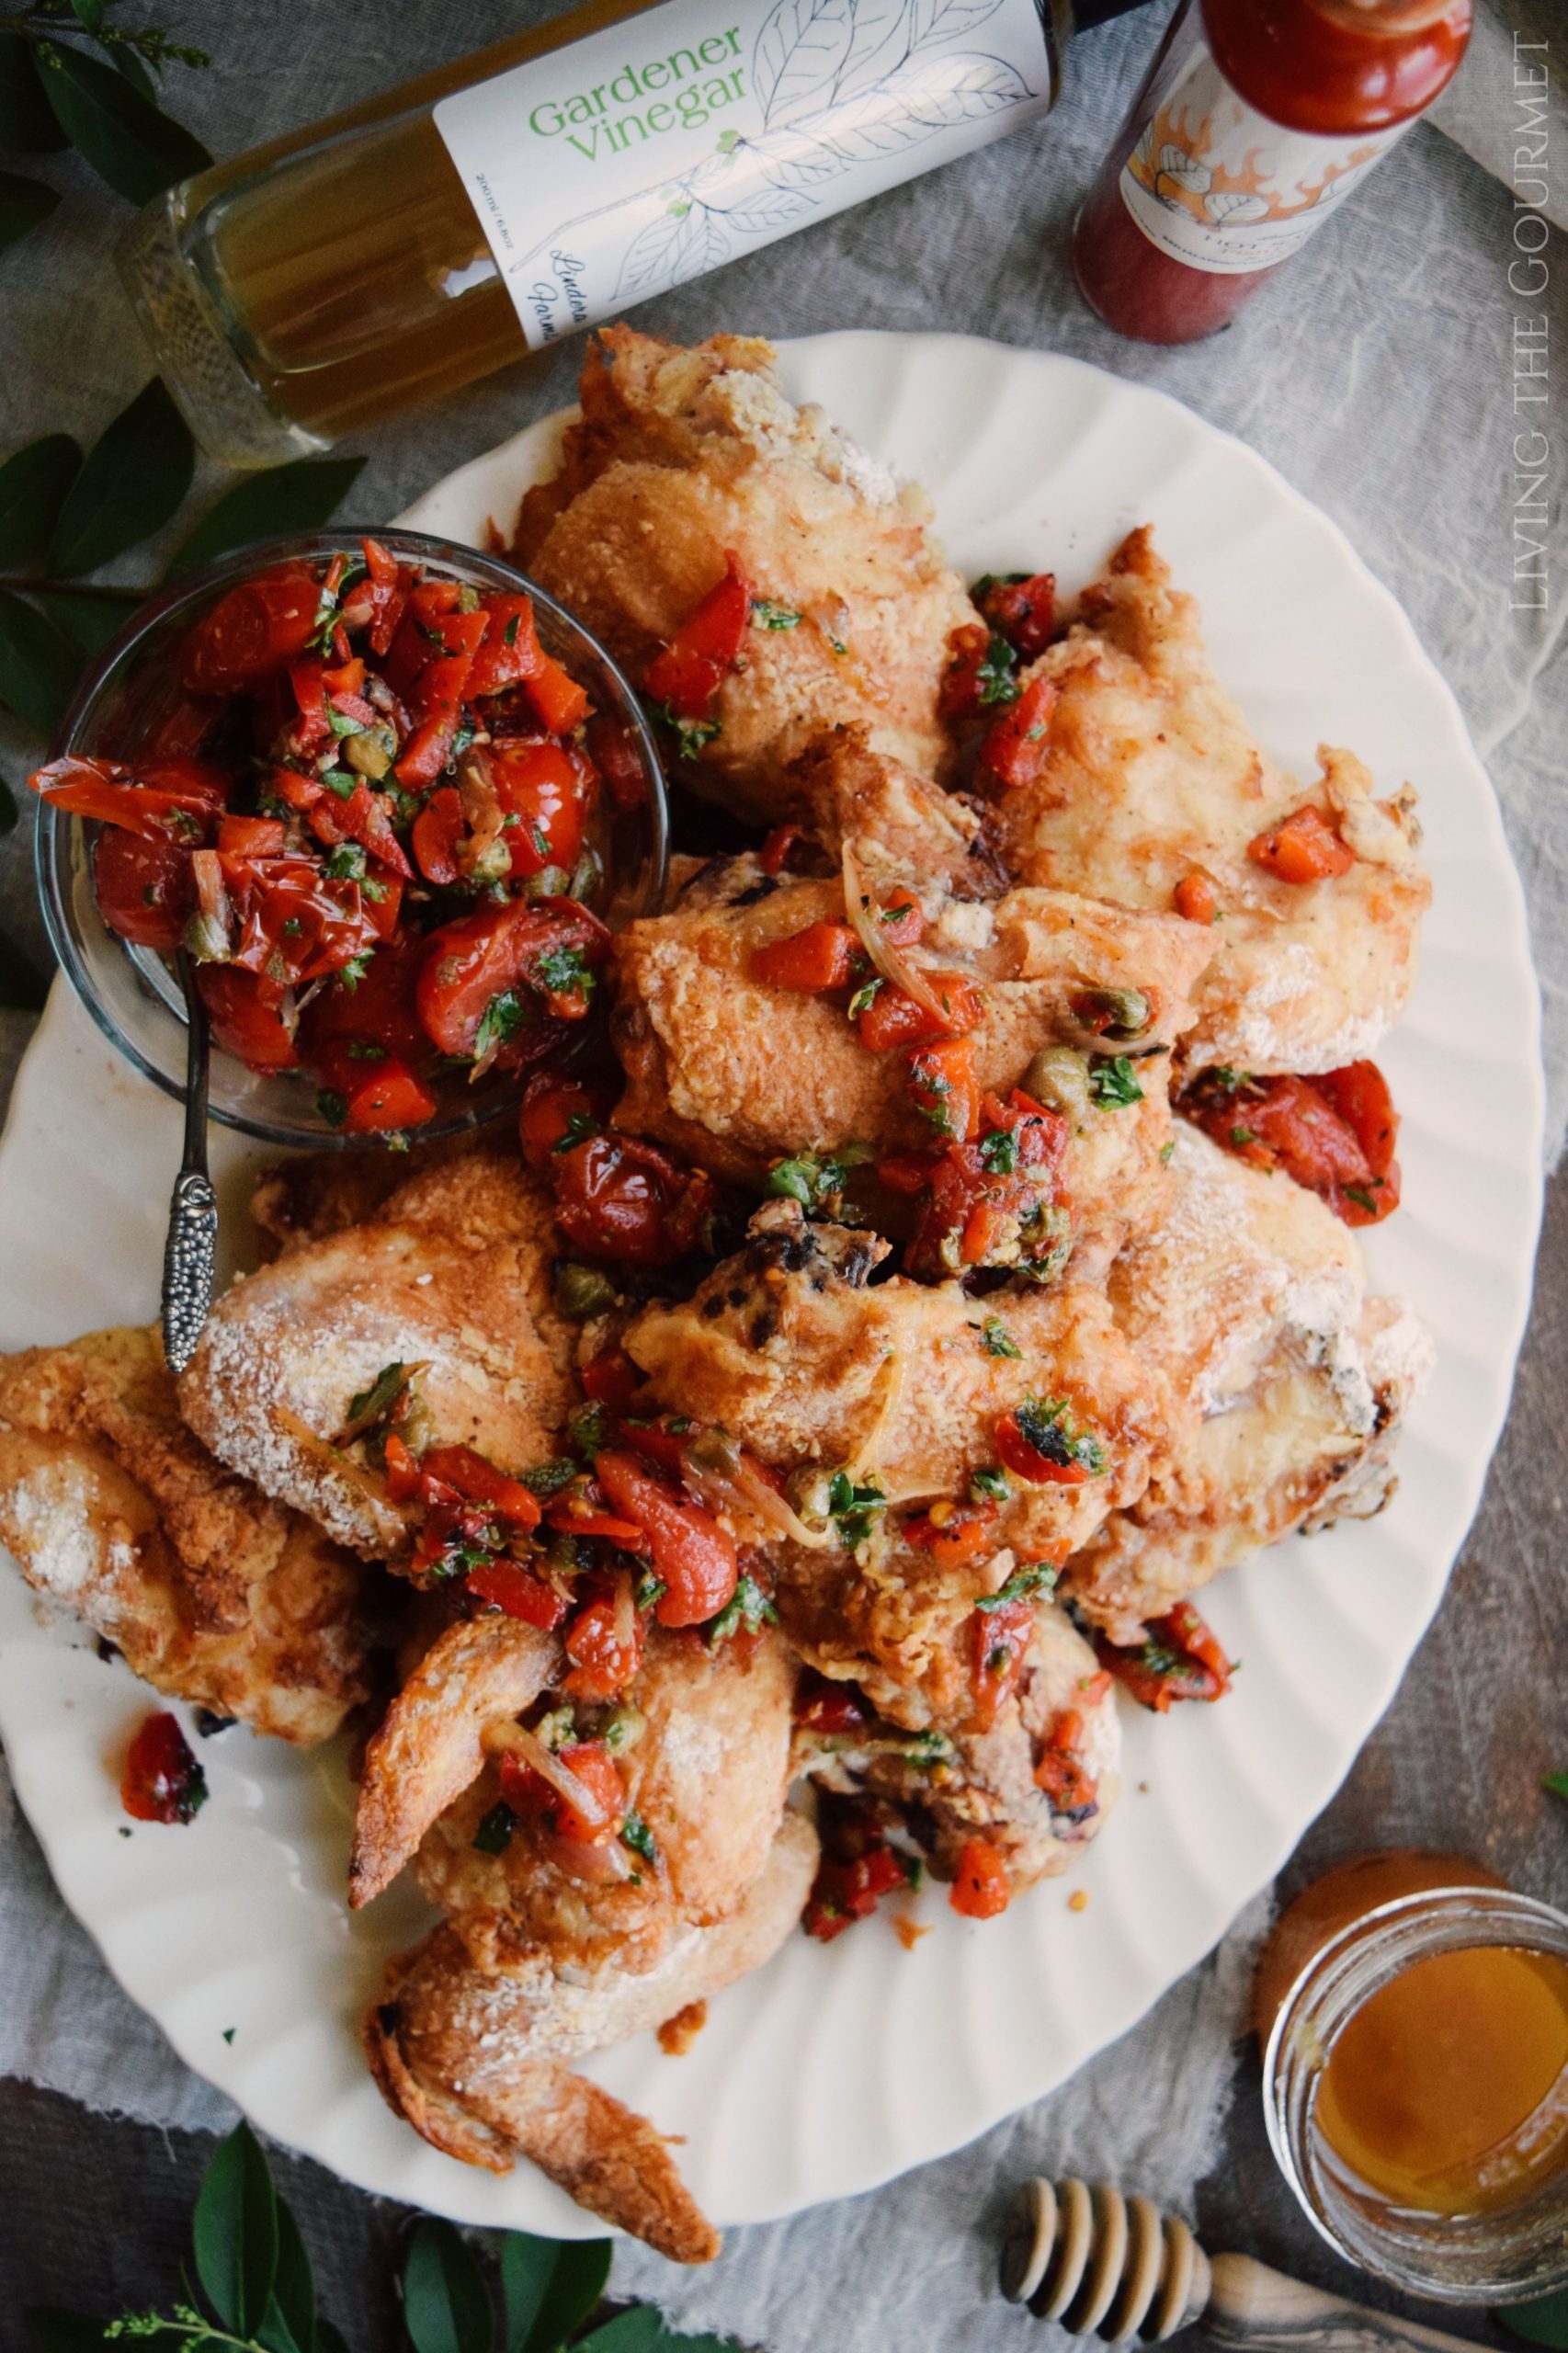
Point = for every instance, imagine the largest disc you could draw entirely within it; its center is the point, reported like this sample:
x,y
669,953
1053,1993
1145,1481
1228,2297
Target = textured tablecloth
x,y
1379,375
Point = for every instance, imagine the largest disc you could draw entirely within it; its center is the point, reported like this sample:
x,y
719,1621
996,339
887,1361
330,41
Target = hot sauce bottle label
x,y
678,140
1216,185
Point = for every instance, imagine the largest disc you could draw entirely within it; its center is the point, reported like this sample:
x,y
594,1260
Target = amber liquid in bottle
x,y
349,263
1447,2091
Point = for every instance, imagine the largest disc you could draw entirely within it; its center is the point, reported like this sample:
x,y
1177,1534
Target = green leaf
x,y
576,2283
1544,2321
91,620
330,2338
33,484
38,665
446,2305
291,2323
235,2233
28,126
296,497
62,2332
23,204
125,60
136,474
91,13
1555,1784
22,986
128,142
526,2265
638,2331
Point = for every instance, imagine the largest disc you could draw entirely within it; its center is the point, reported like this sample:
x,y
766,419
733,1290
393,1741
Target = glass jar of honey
x,y
1415,2074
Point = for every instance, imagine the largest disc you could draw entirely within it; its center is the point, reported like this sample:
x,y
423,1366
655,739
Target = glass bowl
x,y
133,993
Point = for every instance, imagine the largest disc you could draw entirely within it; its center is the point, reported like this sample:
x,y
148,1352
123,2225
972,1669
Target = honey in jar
x,y
1446,2091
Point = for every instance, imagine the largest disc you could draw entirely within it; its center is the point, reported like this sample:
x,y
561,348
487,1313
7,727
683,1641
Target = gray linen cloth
x,y
1378,374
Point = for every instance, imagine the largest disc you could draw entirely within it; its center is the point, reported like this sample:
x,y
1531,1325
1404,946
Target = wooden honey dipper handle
x,y
1116,2268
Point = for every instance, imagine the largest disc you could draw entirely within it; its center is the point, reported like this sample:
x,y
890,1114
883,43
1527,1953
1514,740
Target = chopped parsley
x,y
351,974
589,1433
999,1150
364,1049
502,1016
1166,1149
341,724
989,1486
1555,1784
342,781
748,1609
996,1338
690,735
1359,1195
546,1479
493,1835
369,1405
815,1180
1035,1576
865,998
1232,1081
853,1510
1113,1083
509,634
562,971
649,1589
994,680
767,614
332,1106
1240,1136
635,1834
1048,1425
346,863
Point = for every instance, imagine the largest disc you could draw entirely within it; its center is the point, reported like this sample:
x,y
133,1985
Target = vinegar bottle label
x,y
1216,185
678,140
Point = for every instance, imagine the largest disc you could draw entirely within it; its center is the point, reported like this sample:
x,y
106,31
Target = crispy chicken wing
x,y
738,1074
1251,1299
477,2059
452,1274
212,1593
1152,775
901,1385
684,458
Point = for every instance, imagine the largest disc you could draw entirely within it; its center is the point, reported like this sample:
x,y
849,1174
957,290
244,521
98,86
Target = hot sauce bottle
x,y
1255,120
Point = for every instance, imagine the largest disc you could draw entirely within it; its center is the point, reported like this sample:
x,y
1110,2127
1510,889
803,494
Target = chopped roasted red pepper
x,y
823,956
696,1557
687,675
508,1587
982,1887
1181,1658
1304,849
162,1780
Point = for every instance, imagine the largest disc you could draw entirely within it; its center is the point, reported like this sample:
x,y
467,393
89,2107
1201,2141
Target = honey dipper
x,y
1116,2268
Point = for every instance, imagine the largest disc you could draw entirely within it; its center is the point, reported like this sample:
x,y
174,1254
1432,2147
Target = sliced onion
x,y
207,932
483,812
865,914
600,1864
625,1613
740,1490
562,1779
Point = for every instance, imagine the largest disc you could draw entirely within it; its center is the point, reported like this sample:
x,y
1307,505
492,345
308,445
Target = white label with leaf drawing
x,y
1216,185
678,139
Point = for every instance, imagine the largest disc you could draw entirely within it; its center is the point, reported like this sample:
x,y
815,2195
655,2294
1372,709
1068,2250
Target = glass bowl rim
x,y
193,589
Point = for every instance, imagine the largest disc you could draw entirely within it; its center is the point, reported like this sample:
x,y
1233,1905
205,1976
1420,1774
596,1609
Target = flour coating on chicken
x,y
685,458
1149,775
1290,1384
212,1593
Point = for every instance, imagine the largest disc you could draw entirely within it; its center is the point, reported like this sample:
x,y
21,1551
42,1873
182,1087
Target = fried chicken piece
x,y
554,1950
901,827
212,1593
977,1778
476,2059
900,1384
1251,1299
1150,775
738,1074
686,457
312,1194
452,1274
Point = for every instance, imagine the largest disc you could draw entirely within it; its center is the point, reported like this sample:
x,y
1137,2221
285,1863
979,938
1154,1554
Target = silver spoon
x,y
192,1243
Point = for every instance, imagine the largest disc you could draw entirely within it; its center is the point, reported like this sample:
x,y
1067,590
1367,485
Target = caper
x,y
370,752
1059,1077
583,1291
550,882
806,1490
587,875
623,1727
1121,1014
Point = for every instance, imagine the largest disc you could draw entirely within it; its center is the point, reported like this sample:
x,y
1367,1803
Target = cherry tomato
x,y
618,1198
437,830
243,1023
469,963
891,1018
383,1098
162,1780
982,1887
143,886
821,957
1042,1445
836,1710
1304,849
1182,1659
542,786
378,1010
1012,748
845,1892
253,632
510,1587
691,1552
953,1533
1021,610
691,668
602,1663
478,1481
944,1087
557,1111
611,1379
170,799
528,1792
999,1637
618,756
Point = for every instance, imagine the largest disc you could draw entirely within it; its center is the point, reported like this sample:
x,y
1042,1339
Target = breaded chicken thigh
x,y
451,1274
1150,775
1291,1384
212,1593
685,458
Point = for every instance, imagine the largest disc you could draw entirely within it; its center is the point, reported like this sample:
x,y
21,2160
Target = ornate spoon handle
x,y
192,1245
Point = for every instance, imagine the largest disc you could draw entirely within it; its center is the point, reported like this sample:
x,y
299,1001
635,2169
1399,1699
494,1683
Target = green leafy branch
x,y
55,91
253,2292
64,515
